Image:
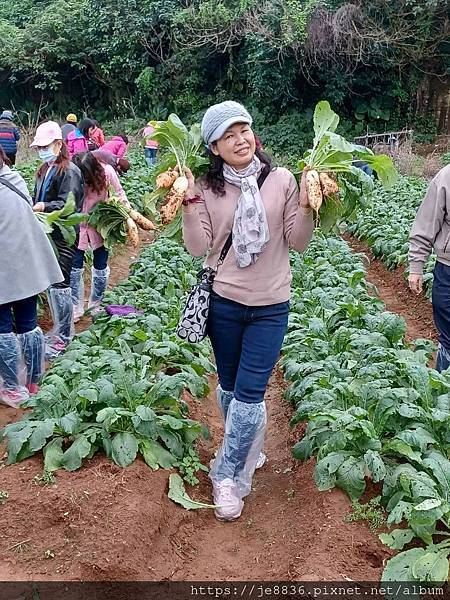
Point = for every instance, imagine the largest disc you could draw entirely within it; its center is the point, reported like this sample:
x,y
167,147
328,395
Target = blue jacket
x,y
9,136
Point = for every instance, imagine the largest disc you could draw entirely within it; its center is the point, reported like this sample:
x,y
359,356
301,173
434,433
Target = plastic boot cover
x,y
99,284
11,370
242,443
223,400
60,300
443,359
33,347
77,287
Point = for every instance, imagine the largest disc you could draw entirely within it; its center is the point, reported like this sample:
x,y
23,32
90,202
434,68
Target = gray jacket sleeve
x,y
426,227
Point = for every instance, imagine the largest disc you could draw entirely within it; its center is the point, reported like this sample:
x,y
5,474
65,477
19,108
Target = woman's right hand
x,y
191,183
415,281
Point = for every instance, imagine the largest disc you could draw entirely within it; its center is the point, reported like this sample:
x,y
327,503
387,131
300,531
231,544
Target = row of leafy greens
x,y
373,406
119,386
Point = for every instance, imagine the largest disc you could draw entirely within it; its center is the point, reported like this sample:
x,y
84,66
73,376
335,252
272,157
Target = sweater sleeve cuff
x,y
416,268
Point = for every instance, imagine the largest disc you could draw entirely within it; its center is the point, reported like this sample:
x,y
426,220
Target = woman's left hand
x,y
39,207
304,200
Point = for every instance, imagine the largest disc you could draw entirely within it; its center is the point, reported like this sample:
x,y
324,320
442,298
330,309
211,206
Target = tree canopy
x,y
148,57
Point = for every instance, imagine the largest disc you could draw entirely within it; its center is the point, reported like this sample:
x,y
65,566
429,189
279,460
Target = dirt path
x,y
103,522
393,290
108,523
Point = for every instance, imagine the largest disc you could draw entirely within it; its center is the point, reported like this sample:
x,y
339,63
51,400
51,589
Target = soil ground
x,y
107,523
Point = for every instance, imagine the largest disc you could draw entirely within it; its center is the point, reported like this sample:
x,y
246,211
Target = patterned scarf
x,y
250,228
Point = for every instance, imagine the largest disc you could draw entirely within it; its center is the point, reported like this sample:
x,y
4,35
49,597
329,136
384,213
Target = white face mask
x,y
47,155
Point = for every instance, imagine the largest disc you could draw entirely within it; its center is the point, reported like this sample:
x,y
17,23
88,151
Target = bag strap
x,y
261,179
13,188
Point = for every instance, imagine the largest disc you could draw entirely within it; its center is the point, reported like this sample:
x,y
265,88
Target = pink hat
x,y
46,134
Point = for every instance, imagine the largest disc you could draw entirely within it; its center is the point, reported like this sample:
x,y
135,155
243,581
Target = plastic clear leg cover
x,y
223,400
442,359
12,371
243,440
77,287
99,284
60,300
33,350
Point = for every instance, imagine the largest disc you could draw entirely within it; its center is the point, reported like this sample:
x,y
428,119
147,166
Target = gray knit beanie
x,y
219,117
7,114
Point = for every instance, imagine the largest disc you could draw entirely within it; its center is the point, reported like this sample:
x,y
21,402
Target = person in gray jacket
x,y
431,231
29,267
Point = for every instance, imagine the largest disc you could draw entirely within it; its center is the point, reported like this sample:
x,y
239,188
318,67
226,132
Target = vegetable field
x,y
356,414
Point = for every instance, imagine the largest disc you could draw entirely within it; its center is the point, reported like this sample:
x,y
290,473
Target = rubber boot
x,y
99,284
33,350
77,287
60,300
11,392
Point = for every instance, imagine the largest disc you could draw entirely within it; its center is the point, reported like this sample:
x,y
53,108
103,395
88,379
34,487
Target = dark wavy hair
x,y
62,162
85,125
214,179
93,173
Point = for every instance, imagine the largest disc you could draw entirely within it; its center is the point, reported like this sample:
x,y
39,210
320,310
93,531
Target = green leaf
x,y
350,477
73,456
178,494
384,168
17,436
41,432
375,465
145,413
397,538
69,423
325,119
400,567
164,458
124,448
53,454
148,455
432,566
429,504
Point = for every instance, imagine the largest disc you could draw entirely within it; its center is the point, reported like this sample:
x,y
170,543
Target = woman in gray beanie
x,y
29,267
260,211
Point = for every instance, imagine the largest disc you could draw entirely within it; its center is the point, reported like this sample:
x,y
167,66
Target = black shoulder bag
x,y
194,318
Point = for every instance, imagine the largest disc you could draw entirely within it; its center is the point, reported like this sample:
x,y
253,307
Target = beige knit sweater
x,y
268,280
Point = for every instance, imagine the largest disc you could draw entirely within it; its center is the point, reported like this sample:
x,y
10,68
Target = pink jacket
x,y
76,143
90,237
98,137
117,146
149,130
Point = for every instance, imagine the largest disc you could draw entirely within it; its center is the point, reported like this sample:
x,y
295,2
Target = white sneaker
x,y
229,505
262,458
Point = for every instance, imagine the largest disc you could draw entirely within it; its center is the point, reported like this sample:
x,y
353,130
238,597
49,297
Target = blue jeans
x,y
100,258
20,315
246,341
150,156
441,312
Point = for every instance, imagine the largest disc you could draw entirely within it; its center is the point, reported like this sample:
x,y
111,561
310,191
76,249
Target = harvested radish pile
x,y
336,185
182,147
117,223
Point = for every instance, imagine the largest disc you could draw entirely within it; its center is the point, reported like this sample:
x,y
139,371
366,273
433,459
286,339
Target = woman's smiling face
x,y
237,146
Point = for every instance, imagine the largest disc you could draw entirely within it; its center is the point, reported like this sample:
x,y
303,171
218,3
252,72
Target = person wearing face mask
x,y
55,179
21,339
258,212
